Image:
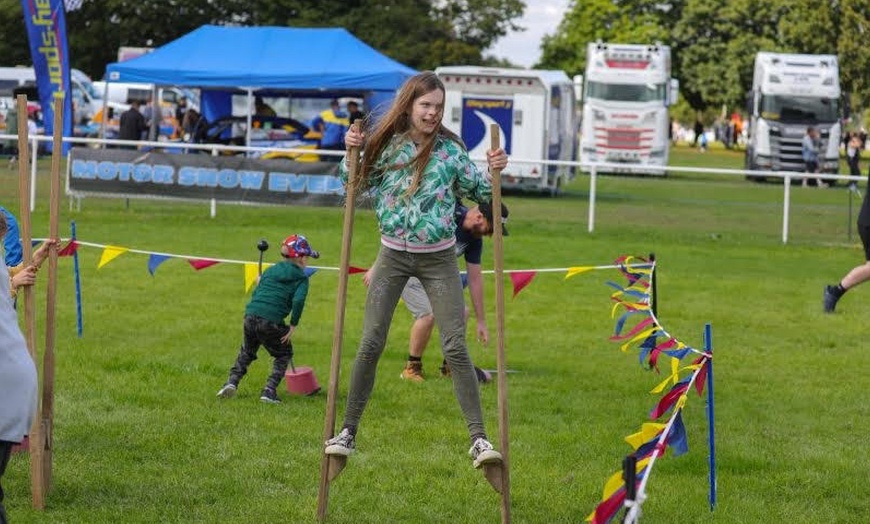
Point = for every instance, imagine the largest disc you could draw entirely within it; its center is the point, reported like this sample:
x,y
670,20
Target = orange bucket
x,y
301,381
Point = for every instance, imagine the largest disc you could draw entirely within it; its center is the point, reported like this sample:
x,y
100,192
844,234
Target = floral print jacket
x,y
422,222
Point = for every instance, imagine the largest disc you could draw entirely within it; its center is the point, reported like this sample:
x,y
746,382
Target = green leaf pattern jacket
x,y
422,222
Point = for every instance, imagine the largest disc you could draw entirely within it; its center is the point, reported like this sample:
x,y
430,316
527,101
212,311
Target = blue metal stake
x,y
708,347
77,274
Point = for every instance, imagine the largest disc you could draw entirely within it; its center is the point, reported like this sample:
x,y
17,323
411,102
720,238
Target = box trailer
x,y
535,113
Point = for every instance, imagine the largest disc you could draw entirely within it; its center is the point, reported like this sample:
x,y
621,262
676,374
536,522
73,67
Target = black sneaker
x,y
830,298
269,395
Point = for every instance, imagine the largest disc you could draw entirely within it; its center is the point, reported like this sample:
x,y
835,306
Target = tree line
x,y
713,42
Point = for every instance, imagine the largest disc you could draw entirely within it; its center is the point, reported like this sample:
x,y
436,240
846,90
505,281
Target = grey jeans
x,y
439,274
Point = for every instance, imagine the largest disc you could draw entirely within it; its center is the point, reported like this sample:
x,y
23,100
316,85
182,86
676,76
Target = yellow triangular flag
x,y
250,276
613,483
111,253
574,271
647,431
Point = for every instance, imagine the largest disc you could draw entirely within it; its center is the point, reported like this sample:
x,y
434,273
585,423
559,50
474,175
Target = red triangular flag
x,y
69,249
521,279
201,263
353,270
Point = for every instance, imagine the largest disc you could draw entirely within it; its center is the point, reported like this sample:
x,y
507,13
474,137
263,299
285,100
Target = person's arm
x,y
298,302
473,184
475,289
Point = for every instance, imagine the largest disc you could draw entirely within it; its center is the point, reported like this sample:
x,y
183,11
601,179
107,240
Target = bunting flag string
x,y
520,278
638,327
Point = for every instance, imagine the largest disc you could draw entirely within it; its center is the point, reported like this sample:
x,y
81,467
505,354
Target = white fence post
x,y
785,207
593,179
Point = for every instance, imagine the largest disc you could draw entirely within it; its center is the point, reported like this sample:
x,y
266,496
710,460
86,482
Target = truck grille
x,y
786,151
639,140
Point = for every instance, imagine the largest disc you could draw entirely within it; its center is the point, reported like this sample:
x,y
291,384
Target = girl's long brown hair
x,y
397,120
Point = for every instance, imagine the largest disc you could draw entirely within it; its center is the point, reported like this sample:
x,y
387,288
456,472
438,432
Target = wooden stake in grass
x,y
332,465
498,474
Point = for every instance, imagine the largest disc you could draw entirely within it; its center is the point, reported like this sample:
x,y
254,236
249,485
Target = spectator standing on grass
x,y
810,145
18,379
354,113
417,170
853,155
132,123
332,124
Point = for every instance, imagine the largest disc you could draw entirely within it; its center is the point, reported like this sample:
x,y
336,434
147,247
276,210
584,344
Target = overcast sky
x,y
541,17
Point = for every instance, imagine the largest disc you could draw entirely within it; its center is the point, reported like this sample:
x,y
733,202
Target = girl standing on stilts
x,y
418,170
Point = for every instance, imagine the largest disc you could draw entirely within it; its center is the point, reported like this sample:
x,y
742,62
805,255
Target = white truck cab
x,y
791,92
626,93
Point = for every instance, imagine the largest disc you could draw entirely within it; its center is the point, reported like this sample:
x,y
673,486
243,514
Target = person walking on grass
x,y
471,226
281,291
18,379
861,273
417,170
810,145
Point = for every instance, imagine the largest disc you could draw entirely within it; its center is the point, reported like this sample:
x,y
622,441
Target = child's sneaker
x,y
481,453
228,391
269,396
341,444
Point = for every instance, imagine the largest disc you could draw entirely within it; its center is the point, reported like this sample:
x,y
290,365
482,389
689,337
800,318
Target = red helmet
x,y
297,246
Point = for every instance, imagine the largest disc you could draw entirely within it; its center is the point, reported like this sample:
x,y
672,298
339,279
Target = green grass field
x,y
140,437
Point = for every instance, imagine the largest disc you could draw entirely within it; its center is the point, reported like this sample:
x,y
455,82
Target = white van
x,y
87,100
123,93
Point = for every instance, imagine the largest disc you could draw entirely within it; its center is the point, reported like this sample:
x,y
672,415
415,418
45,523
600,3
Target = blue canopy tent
x,y
221,60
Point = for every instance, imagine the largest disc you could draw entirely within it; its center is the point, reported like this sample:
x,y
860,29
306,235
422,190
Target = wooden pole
x,y
37,485
331,465
50,300
500,473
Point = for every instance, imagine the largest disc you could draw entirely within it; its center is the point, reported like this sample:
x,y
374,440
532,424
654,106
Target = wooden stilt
x,y
331,465
28,307
48,359
498,475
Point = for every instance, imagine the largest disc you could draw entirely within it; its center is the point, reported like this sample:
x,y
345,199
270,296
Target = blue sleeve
x,y
12,241
474,251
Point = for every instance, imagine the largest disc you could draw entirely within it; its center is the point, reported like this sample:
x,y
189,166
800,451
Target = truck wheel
x,y
750,166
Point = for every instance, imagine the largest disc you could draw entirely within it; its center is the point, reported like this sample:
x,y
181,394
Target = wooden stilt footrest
x,y
336,465
494,474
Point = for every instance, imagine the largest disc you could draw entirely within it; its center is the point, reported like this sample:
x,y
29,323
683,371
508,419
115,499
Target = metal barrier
x,y
591,168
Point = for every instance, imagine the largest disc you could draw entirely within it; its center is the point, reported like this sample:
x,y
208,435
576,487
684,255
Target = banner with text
x,y
136,174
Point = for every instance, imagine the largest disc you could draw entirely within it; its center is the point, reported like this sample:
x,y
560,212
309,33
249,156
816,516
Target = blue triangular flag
x,y
677,437
155,260
310,271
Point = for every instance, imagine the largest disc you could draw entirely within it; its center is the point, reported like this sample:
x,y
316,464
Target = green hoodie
x,y
282,290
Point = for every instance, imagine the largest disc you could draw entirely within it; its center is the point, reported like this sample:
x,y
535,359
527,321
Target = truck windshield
x,y
799,108
626,92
